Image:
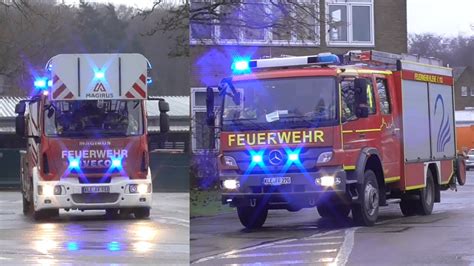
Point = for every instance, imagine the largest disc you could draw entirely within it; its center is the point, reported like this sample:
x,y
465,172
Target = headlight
x,y
49,190
139,188
325,157
328,181
229,161
231,184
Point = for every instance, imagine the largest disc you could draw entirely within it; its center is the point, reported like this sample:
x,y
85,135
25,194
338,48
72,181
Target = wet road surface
x,y
444,238
88,237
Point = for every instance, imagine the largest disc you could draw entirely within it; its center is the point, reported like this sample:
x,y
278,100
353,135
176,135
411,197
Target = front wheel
x,y
333,211
366,211
141,213
252,217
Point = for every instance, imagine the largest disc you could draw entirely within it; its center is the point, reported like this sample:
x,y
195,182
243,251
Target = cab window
x,y
348,100
382,91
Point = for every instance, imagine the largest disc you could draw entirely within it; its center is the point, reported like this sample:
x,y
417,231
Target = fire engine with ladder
x,y
312,131
86,130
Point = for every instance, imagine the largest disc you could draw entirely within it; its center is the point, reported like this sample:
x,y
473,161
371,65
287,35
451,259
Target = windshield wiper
x,y
310,122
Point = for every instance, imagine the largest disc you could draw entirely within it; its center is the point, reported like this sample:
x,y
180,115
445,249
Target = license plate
x,y
276,181
96,189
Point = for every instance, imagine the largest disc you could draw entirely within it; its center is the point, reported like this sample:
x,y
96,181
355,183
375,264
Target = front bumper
x,y
301,193
71,196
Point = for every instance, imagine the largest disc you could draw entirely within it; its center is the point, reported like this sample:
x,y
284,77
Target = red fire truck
x,y
308,131
87,144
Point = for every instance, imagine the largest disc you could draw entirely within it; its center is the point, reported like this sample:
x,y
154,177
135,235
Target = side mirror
x,y
163,106
20,125
20,108
210,115
360,94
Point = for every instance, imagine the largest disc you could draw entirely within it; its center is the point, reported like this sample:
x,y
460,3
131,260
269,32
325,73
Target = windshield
x,y
281,103
93,117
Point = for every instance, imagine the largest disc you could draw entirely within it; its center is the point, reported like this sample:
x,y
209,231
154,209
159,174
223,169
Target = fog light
x,y
142,188
231,184
328,181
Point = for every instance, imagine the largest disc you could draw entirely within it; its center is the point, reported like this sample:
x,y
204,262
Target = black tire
x,y
26,205
141,213
333,211
111,213
426,202
365,212
252,217
408,207
460,172
45,214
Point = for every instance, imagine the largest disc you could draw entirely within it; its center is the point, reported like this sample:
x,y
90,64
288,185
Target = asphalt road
x,y
444,238
82,238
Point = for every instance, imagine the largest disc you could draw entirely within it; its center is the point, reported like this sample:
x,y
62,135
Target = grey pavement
x,y
303,238
79,238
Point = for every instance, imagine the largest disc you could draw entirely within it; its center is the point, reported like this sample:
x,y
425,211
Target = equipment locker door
x,y
390,129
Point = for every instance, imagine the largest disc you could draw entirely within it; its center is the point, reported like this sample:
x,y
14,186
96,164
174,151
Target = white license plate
x,y
96,189
276,181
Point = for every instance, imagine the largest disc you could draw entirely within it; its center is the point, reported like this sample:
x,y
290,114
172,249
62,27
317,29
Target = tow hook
x,y
253,202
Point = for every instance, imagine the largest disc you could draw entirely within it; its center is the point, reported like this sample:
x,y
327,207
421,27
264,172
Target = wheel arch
x,y
369,158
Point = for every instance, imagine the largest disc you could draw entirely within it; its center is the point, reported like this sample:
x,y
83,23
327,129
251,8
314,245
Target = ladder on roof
x,y
378,58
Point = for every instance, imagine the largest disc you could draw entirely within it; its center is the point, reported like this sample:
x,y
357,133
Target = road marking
x,y
306,244
267,245
271,254
346,248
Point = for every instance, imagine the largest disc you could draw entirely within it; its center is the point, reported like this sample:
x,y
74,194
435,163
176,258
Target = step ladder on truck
x,y
339,133
87,141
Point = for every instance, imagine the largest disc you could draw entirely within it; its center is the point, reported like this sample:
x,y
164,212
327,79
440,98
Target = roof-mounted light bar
x,y
320,59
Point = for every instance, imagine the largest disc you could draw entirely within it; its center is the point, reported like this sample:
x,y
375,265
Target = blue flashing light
x,y
293,156
74,163
50,83
99,75
257,158
113,246
41,83
116,162
329,59
241,65
72,246
149,81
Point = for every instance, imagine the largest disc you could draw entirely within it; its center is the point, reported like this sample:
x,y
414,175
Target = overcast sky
x,y
446,17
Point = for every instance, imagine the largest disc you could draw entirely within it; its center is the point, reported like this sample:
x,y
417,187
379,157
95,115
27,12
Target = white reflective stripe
x,y
431,69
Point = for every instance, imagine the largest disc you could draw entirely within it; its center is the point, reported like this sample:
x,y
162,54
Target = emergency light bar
x,y
320,59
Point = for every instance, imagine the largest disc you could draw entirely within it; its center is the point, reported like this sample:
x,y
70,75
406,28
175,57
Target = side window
x,y
384,96
370,97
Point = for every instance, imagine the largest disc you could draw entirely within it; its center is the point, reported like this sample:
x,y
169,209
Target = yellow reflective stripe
x,y
449,179
392,179
347,131
349,167
368,130
415,187
369,94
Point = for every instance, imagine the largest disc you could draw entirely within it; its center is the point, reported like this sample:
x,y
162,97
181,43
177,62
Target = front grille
x,y
95,198
279,189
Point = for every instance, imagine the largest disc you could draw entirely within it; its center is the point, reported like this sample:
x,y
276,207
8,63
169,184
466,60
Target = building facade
x,y
464,88
339,26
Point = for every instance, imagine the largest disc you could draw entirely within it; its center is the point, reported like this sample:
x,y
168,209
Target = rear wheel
x,y
252,217
141,213
365,212
425,204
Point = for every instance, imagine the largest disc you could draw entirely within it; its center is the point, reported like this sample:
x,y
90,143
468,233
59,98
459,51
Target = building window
x,y
472,91
463,91
259,14
351,22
